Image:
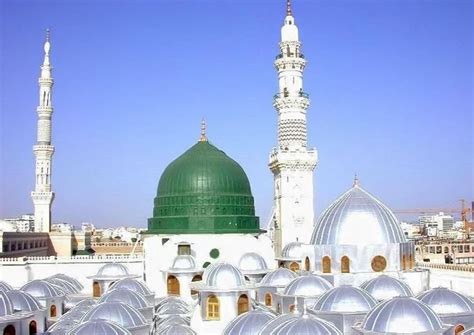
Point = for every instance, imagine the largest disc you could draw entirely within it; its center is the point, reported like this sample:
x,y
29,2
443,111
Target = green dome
x,y
203,191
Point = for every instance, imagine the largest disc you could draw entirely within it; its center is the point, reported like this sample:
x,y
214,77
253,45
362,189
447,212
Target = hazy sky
x,y
390,82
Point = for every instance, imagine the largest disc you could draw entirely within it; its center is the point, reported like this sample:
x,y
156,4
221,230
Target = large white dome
x,y
345,299
384,287
23,301
251,322
117,312
446,301
6,306
98,327
307,286
42,289
126,296
357,218
288,324
278,278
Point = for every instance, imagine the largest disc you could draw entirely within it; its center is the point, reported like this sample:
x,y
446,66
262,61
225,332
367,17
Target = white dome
x,y
402,315
307,286
351,216
66,286
177,329
117,312
171,299
172,308
6,306
446,301
184,263
132,285
70,280
84,304
248,323
224,276
385,287
98,327
278,278
61,326
42,289
288,324
22,301
113,270
292,251
162,323
251,262
4,286
345,299
75,315
126,296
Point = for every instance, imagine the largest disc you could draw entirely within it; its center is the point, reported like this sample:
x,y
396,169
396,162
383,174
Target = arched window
x,y
96,289
268,299
213,308
242,304
446,250
196,278
294,266
307,264
173,285
379,263
458,329
412,262
345,264
292,308
33,328
326,264
52,311
9,330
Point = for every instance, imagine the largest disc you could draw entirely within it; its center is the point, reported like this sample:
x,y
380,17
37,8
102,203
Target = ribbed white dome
x,y
293,251
66,286
61,326
307,286
98,327
126,296
184,262
70,280
4,286
300,325
22,301
172,308
446,301
132,285
402,315
113,270
224,276
349,219
278,278
162,323
42,289
345,299
385,287
177,329
117,312
249,323
251,262
6,306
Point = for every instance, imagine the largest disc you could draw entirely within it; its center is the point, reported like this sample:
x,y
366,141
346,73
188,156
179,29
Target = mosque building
x,y
208,267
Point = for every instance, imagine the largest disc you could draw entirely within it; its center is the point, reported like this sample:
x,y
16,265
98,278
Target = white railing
x,y
72,259
453,267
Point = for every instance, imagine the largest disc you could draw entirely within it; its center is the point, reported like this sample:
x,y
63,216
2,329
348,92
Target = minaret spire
x,y
292,161
203,131
356,180
42,195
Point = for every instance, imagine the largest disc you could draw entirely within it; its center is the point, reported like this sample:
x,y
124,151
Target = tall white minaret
x,y
42,195
292,162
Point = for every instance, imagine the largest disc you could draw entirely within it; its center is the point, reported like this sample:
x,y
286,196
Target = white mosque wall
x,y
19,271
460,281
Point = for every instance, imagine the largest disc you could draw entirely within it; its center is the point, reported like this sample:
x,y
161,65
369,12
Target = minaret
x,y
292,162
42,195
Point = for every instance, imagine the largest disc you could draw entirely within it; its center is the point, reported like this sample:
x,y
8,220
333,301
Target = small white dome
x,y
76,283
307,286
278,278
42,289
126,296
4,286
22,301
171,299
446,301
385,287
117,312
224,276
132,285
251,262
345,299
172,308
162,323
98,327
184,262
66,286
402,315
288,324
6,306
292,251
113,270
177,329
61,326
248,323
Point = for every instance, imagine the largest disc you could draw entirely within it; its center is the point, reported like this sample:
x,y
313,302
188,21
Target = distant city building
x,y
410,230
62,227
88,227
434,224
24,224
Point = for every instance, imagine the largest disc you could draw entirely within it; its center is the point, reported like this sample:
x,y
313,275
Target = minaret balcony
x,y
294,157
291,101
300,94
291,55
43,80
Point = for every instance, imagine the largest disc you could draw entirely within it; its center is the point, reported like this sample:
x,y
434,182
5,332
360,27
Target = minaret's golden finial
x,y
356,180
48,32
288,8
203,131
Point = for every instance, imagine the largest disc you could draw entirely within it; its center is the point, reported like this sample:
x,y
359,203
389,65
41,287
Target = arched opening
x,y
9,330
53,311
458,329
173,285
345,264
292,308
326,264
281,264
307,264
404,263
379,263
96,289
247,278
412,262
195,278
213,308
294,266
242,304
33,328
268,299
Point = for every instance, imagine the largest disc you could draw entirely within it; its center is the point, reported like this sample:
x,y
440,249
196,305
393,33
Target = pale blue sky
x,y
391,87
